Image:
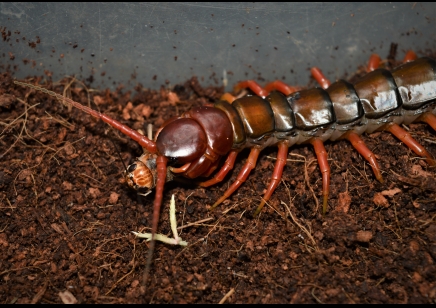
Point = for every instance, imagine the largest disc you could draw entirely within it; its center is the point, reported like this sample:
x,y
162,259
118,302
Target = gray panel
x,y
263,41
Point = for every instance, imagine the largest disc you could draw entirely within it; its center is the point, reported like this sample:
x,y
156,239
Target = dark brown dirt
x,y
66,214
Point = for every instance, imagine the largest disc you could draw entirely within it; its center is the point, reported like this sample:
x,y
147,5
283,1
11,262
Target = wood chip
x,y
391,192
380,200
344,202
363,236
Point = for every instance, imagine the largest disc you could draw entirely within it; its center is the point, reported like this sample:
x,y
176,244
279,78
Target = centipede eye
x,y
132,167
172,161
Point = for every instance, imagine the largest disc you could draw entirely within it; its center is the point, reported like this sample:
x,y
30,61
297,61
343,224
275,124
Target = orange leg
x,y
321,155
410,56
180,169
320,78
373,63
161,168
253,86
281,87
430,119
242,176
228,165
361,147
228,97
277,174
414,145
211,169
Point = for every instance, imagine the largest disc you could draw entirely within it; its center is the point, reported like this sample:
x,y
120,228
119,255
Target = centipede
x,y
205,141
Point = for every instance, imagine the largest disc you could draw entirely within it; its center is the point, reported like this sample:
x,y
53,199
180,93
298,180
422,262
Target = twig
x,y
21,132
306,178
122,278
226,297
300,226
195,223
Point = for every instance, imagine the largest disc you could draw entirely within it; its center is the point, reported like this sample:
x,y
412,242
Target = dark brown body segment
x,y
346,103
217,127
312,108
256,115
182,141
378,93
283,114
416,82
235,121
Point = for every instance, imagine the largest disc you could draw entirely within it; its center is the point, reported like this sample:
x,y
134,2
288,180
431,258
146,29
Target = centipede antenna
x,y
119,154
143,141
161,162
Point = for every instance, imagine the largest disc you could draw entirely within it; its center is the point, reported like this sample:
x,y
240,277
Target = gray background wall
x,y
173,41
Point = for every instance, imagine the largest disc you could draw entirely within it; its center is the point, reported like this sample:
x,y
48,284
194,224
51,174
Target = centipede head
x,y
141,175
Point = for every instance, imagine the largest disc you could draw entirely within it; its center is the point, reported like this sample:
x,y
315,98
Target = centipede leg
x,y
320,78
408,140
361,147
373,63
211,169
228,165
253,86
180,169
161,162
321,155
242,176
228,97
430,119
410,56
277,174
281,87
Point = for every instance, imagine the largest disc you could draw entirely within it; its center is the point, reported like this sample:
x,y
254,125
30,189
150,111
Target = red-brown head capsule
x,y
141,175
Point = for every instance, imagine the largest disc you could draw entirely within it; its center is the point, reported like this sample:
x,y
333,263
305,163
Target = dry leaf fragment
x,y
417,170
126,111
7,99
67,297
344,202
98,100
94,192
380,200
173,98
391,192
416,204
113,198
